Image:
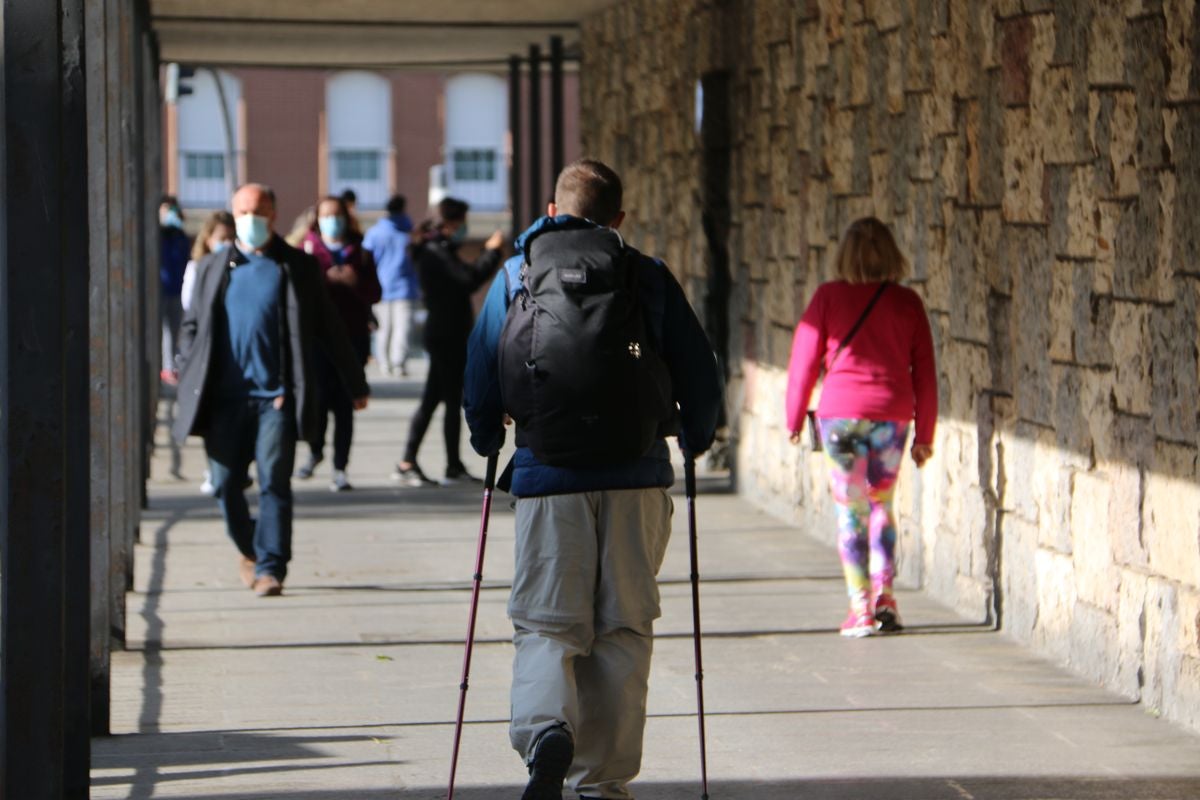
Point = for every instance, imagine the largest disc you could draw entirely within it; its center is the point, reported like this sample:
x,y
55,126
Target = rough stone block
x,y
1162,657
1174,402
1097,579
1094,643
1181,34
1016,42
1189,619
1184,142
1026,251
1171,514
1130,337
1106,45
1056,604
1139,271
1126,496
968,286
1146,64
1024,169
1059,113
1113,124
1131,632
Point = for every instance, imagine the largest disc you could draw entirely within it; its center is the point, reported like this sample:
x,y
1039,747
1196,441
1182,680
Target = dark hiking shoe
x,y
459,474
551,759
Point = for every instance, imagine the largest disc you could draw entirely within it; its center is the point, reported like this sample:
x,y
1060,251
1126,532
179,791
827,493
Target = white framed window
x,y
201,143
476,128
474,165
358,121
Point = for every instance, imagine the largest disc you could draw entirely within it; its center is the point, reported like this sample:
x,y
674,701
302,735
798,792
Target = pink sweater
x,y
888,371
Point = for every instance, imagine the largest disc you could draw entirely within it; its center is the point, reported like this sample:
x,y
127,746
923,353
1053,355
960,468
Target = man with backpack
x,y
592,349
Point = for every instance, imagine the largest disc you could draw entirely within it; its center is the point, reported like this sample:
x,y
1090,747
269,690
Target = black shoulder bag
x,y
814,435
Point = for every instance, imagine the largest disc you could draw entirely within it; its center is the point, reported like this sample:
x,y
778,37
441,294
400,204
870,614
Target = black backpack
x,y
578,371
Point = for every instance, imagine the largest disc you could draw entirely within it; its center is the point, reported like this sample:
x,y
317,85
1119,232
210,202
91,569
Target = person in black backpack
x,y
447,283
592,349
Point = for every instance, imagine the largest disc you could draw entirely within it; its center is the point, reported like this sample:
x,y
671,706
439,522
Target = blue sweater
x,y
388,241
682,344
248,341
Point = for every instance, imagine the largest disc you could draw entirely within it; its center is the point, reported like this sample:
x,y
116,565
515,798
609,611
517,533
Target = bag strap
x,y
858,324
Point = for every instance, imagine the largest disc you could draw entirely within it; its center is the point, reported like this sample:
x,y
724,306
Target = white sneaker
x,y
340,483
206,486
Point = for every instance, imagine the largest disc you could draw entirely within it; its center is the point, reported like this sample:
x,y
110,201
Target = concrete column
x,y
537,199
514,144
556,107
44,490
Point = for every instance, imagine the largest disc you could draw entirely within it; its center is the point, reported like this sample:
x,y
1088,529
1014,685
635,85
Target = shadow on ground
x,y
933,788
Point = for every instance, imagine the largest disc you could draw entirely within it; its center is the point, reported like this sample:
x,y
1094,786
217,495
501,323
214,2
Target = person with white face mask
x,y
173,257
350,278
258,310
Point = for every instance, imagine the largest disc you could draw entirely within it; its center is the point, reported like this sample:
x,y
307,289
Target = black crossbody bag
x,y
814,435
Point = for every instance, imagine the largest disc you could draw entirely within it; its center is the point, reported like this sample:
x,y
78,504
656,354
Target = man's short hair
x,y
262,187
396,204
451,209
349,196
589,189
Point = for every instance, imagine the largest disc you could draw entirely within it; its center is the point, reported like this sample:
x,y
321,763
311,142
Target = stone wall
x,y
1039,161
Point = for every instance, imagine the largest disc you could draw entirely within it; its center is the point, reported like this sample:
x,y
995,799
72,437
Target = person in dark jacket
x,y
447,283
174,249
248,342
336,243
589,540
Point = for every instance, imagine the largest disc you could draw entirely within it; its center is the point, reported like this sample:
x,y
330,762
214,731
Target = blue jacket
x,y
388,241
682,344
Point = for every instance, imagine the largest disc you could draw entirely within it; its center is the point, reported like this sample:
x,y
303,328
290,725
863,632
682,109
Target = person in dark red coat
x,y
353,286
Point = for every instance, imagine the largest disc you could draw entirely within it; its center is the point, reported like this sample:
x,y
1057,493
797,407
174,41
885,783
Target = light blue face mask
x,y
332,228
172,219
252,230
460,234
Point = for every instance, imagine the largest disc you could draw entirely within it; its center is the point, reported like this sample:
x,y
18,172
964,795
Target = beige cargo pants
x,y
583,603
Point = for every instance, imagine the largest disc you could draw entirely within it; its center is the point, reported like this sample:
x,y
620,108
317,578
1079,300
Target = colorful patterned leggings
x,y
864,459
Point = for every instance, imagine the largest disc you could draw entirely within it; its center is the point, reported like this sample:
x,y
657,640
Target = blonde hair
x,y
868,253
200,246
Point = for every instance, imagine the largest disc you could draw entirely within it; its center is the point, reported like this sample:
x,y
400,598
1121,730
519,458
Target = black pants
x,y
443,385
333,399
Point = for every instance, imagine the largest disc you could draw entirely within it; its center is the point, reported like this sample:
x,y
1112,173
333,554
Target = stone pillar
x,y
514,143
537,203
44,490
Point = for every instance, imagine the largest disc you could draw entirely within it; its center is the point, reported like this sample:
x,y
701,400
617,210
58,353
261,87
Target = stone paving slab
x,y
346,687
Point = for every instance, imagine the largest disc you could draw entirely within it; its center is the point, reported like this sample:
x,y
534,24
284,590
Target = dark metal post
x,y
77,410
537,199
556,106
102,390
43,350
514,134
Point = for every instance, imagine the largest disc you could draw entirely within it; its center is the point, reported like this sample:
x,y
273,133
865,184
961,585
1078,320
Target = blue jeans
x,y
242,430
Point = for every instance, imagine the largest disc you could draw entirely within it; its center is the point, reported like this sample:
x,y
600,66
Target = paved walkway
x,y
346,687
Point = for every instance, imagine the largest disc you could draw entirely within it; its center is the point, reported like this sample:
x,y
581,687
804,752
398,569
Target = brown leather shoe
x,y
268,586
246,571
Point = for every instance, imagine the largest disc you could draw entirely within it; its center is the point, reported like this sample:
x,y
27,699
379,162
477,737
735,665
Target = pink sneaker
x,y
887,616
858,624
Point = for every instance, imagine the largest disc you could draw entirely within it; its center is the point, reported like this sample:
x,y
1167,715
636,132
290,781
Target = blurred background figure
x,y
350,278
447,283
388,241
174,248
216,233
301,226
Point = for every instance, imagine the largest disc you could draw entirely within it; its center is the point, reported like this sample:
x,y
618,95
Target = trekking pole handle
x,y
489,477
689,474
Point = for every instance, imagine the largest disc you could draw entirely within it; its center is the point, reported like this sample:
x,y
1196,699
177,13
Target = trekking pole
x,y
689,483
489,481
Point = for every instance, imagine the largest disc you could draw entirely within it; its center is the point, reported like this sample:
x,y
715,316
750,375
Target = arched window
x,y
358,120
202,158
476,125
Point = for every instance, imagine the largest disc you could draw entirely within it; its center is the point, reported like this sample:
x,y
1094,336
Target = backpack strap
x,y
858,324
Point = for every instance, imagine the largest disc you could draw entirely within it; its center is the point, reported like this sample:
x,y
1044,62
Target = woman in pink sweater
x,y
878,378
